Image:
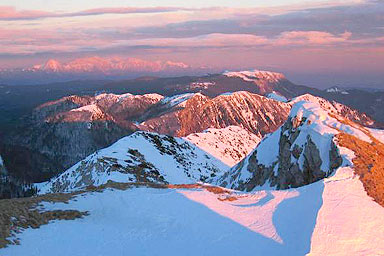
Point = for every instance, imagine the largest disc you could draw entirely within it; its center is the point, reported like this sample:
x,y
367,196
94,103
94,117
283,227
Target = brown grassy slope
x,y
368,163
20,213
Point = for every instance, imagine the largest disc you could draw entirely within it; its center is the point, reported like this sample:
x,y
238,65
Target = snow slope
x,y
230,144
143,157
329,217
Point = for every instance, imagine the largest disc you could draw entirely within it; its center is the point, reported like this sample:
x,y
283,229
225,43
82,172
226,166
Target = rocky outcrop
x,y
300,152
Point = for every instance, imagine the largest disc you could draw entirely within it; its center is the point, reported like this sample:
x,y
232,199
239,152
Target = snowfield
x,y
329,217
229,145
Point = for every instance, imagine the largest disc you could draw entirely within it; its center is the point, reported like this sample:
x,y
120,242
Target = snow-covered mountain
x,y
335,108
108,65
62,132
336,89
329,165
140,157
302,151
93,67
230,144
263,79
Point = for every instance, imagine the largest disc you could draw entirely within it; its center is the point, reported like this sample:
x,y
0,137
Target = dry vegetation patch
x,y
223,194
368,163
21,213
212,189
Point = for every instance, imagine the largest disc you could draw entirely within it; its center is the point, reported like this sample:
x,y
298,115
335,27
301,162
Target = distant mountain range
x,y
91,68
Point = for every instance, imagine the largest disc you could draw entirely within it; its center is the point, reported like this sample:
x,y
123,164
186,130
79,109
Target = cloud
x,y
311,38
11,13
32,41
210,40
363,20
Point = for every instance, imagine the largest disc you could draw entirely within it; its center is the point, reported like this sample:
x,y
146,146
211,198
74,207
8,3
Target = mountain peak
x,y
256,75
336,89
52,65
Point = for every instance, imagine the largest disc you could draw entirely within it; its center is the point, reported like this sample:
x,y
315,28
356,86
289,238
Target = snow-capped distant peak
x,y
336,89
52,66
256,75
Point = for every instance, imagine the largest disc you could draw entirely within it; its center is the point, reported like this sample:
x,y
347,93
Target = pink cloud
x,y
210,40
11,13
311,38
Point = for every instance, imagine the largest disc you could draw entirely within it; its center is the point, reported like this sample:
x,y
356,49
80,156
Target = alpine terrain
x,y
312,185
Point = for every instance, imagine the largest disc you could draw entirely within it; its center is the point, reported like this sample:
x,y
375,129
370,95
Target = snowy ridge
x,y
335,108
256,75
230,144
300,152
140,157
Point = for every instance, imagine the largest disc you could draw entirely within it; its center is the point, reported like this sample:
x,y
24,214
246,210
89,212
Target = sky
x,y
319,43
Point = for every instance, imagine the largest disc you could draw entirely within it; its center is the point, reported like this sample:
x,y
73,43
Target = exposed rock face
x,y
252,112
255,113
140,157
